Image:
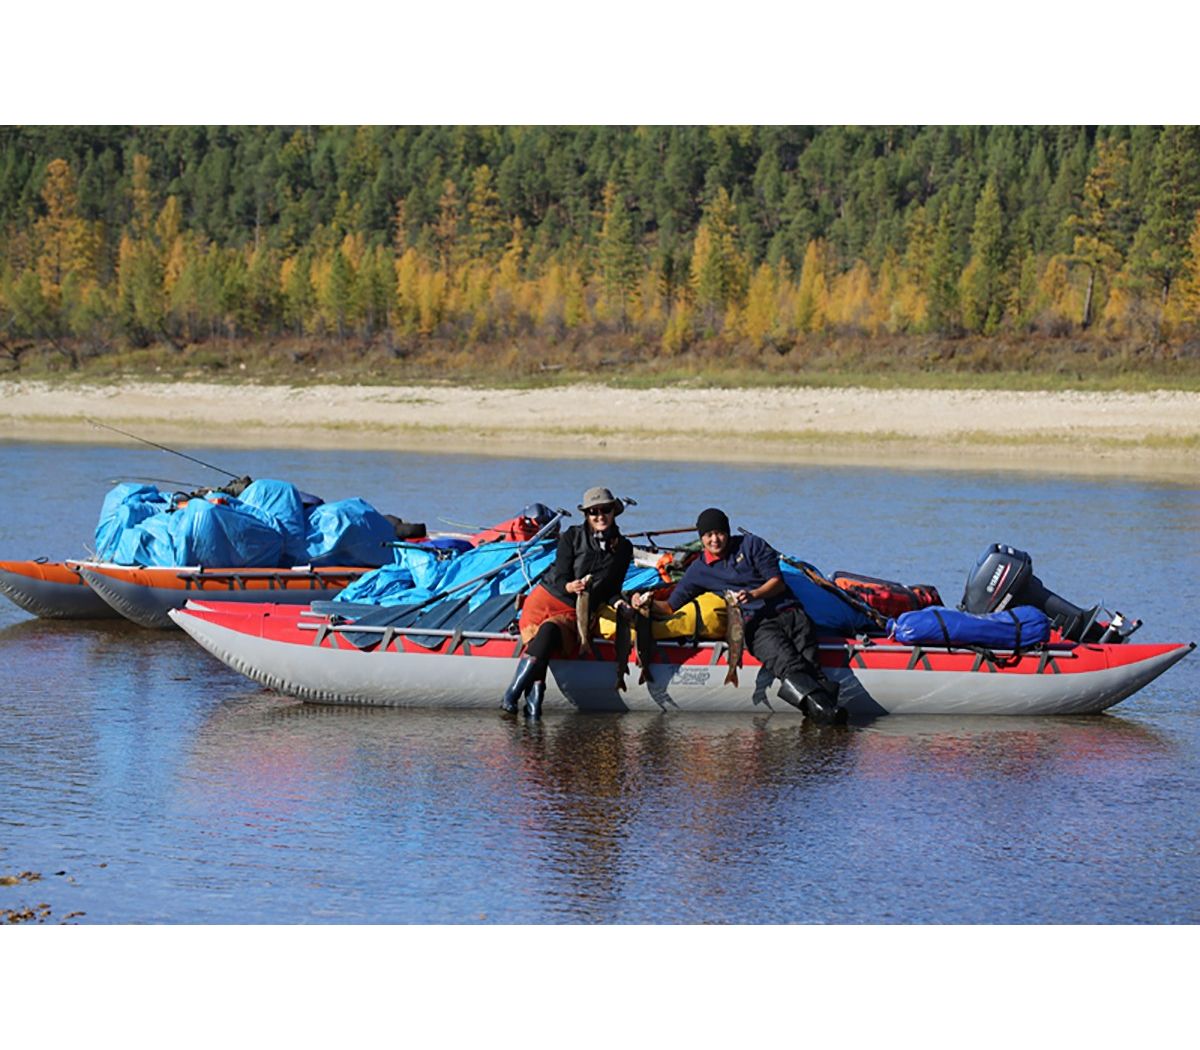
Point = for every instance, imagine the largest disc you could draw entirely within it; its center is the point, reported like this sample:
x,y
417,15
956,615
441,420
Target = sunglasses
x,y
595,512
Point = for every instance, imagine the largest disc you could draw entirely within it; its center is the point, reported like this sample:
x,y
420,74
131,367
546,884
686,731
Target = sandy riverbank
x,y
1155,434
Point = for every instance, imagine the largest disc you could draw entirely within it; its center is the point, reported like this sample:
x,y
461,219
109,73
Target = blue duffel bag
x,y
1018,628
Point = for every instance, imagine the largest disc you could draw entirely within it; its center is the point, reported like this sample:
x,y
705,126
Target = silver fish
x,y
583,618
624,643
735,638
643,641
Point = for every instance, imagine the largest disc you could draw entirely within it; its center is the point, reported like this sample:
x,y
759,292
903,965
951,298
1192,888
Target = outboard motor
x,y
540,515
1003,577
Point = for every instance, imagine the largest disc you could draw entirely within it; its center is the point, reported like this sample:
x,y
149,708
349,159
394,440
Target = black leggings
x,y
547,642
787,645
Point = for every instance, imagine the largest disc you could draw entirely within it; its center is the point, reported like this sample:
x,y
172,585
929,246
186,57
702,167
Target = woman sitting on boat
x,y
588,571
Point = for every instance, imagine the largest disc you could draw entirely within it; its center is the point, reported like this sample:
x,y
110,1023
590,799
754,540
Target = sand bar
x,y
1154,434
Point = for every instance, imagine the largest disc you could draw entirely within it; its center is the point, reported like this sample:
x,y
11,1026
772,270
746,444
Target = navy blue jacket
x,y
749,561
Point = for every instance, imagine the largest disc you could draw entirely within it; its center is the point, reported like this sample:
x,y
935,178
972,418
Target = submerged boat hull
x,y
312,658
147,595
52,590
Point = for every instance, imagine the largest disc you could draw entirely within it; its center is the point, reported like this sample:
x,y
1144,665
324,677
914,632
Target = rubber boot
x,y
520,684
533,700
819,703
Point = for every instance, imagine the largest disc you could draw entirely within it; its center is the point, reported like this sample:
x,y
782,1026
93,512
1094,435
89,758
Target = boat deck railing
x,y
855,650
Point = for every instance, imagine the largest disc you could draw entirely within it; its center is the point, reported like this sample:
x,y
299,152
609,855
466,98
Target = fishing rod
x,y
179,486
164,448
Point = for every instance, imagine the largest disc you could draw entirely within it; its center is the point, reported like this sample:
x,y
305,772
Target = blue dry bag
x,y
1018,628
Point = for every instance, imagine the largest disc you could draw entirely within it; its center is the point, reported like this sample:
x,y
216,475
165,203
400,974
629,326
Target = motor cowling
x,y
1004,577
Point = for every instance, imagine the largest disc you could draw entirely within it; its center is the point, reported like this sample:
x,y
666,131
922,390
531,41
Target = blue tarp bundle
x,y
402,595
267,527
348,532
419,573
283,502
1021,627
828,612
228,533
124,509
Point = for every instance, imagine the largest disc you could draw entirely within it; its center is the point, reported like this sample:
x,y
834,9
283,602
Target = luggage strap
x,y
982,653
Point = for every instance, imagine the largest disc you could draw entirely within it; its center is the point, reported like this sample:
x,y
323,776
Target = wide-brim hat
x,y
598,497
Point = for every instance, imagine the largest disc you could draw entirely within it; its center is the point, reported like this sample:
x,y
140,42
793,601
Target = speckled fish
x,y
623,642
643,641
735,638
583,617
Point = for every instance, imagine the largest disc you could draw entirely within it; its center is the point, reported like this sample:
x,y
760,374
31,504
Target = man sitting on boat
x,y
588,571
778,631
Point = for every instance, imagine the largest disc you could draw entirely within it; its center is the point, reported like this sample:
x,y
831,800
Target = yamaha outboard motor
x,y
1003,577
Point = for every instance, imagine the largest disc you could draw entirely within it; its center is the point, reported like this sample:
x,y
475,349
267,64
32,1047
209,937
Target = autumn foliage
x,y
760,239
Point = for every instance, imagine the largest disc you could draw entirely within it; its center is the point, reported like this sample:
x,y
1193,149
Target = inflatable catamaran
x,y
433,655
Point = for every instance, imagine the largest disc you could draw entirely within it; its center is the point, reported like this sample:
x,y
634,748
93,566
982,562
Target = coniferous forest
x,y
509,252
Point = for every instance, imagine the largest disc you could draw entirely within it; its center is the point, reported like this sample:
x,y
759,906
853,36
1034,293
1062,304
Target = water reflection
x,y
600,818
1012,747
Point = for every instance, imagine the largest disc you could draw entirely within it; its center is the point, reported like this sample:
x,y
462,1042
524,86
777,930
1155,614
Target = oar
x,y
649,535
495,569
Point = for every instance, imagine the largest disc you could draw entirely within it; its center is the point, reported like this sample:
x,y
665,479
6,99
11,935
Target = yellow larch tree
x,y
67,243
678,331
812,295
760,318
1188,288
408,296
881,315
485,221
1059,300
718,271
850,298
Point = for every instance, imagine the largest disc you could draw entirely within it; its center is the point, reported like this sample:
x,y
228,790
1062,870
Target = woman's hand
x,y
638,600
575,586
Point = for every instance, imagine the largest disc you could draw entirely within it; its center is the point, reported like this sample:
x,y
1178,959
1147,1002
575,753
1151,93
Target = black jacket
x,y
581,551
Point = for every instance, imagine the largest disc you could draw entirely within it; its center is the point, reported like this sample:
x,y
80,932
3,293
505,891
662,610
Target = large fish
x,y
623,640
643,640
583,617
735,637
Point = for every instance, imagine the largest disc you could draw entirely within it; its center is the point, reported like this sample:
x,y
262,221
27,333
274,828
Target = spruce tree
x,y
1161,248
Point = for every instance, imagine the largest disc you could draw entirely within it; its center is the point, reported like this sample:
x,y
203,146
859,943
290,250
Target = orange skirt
x,y
542,607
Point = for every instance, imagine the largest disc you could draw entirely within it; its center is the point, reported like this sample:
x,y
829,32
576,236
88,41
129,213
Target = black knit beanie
x,y
712,520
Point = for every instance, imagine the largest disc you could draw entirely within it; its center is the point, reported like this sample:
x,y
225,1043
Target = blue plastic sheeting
x,y
284,502
267,528
450,544
203,533
125,507
1023,626
225,533
418,574
349,532
639,579
828,612
413,576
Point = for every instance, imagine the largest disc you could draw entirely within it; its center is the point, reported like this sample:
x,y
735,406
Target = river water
x,y
147,783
